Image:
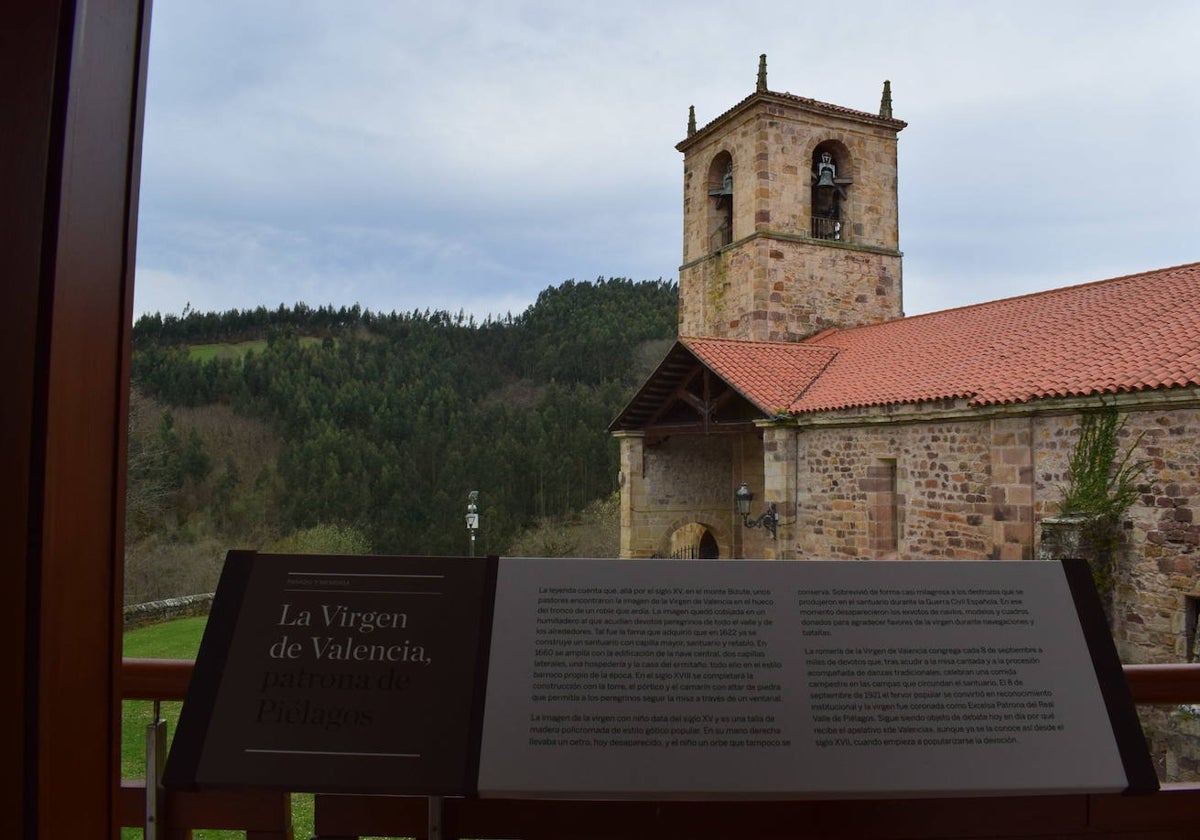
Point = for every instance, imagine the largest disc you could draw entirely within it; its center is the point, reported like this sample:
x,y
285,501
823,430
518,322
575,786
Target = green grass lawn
x,y
178,639
204,352
236,350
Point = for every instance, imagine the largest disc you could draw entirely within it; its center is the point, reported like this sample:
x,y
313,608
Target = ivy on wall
x,y
1103,482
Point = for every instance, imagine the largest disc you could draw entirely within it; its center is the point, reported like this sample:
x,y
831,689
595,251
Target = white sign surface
x,y
767,679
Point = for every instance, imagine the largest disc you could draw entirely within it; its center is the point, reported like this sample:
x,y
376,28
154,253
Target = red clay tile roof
x,y
768,373
817,105
1133,333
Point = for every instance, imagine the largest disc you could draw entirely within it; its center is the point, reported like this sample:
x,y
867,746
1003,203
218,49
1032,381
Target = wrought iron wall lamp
x,y
769,520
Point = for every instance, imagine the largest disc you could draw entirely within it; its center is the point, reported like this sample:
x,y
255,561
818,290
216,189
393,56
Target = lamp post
x,y
769,521
472,517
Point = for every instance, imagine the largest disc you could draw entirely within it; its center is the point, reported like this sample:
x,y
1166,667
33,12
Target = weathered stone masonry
x,y
768,258
675,482
959,484
974,489
772,281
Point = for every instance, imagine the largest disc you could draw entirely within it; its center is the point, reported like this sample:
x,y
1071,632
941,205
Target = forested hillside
x,y
361,431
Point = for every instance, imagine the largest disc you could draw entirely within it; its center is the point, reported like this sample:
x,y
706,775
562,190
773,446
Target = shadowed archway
x,y
692,541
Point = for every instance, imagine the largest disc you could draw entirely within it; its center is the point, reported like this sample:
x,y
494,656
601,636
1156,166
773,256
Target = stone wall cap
x,y
790,100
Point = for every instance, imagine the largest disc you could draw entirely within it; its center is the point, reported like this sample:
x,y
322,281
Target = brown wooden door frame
x,y
72,77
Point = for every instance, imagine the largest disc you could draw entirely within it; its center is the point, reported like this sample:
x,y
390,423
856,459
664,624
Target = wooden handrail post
x,y
156,756
436,808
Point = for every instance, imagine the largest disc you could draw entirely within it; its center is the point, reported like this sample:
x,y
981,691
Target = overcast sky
x,y
453,155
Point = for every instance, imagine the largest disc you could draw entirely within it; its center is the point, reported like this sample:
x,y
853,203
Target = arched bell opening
x,y
831,178
720,201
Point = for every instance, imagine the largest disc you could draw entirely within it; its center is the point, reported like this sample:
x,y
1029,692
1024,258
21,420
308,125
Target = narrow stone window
x,y
883,507
720,202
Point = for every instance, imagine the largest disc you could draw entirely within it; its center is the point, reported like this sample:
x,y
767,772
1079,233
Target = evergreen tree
x,y
386,421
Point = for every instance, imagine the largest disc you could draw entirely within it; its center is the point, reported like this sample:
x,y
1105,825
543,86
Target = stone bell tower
x,y
790,222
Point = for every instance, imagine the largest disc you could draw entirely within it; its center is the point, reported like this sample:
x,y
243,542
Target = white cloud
x,y
402,155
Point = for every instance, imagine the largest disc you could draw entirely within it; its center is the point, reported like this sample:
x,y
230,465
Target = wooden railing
x,y
823,228
1173,812
263,815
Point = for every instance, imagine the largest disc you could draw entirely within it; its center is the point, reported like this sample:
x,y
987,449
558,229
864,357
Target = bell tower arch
x,y
720,200
791,223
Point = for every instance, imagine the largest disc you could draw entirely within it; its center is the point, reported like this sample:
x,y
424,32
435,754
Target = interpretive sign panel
x,y
657,680
339,674
683,679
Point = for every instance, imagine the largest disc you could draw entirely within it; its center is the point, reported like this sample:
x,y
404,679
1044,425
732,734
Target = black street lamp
x,y
472,517
769,520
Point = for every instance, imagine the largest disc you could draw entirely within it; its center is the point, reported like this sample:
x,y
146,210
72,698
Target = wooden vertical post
x,y
71,77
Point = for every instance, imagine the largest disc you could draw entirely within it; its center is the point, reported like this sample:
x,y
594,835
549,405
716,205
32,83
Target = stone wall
x,y
975,489
942,491
1162,569
1174,735
768,288
771,143
674,482
773,281
972,487
1172,732
1158,568
168,609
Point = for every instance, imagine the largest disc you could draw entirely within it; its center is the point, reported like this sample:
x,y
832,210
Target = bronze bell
x,y
825,178
726,187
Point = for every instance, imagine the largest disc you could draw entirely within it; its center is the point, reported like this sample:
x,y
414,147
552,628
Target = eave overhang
x,y
789,100
685,396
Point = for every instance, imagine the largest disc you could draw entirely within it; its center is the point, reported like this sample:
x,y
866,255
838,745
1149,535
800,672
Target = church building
x,y
801,415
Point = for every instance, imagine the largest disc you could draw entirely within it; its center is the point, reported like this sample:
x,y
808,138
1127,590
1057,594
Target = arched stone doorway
x,y
693,541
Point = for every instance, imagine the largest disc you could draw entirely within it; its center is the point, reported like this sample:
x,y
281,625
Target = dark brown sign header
x,y
339,674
